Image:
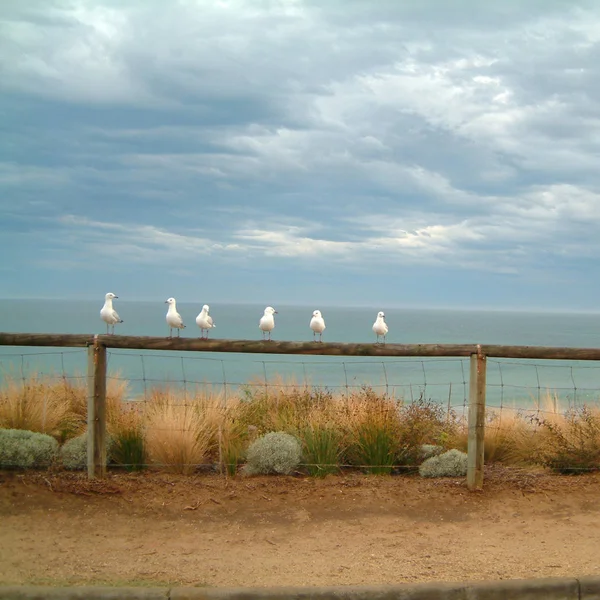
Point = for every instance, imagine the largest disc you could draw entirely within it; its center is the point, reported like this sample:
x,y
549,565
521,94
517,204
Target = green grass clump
x,y
275,452
452,463
129,449
373,427
129,439
321,448
26,449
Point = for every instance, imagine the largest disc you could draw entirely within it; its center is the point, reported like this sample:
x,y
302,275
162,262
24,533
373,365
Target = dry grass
x,y
181,430
40,404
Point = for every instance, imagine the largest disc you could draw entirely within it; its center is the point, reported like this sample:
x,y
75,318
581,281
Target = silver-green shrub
x,y
449,464
275,452
429,450
73,453
26,449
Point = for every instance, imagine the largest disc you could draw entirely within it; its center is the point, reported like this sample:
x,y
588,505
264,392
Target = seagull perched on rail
x,y
267,321
317,324
380,326
108,314
174,319
204,321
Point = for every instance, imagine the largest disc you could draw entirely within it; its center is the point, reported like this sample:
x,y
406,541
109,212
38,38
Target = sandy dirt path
x,y
145,529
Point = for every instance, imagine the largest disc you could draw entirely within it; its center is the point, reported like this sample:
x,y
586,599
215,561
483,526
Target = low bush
x,y
424,422
429,450
26,449
73,453
452,463
275,452
571,444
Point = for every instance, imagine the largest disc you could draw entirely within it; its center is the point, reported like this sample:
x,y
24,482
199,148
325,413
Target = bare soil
x,y
159,529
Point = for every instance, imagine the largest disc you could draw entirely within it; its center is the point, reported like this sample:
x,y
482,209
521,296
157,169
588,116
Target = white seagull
x,y
174,319
204,321
108,314
317,324
267,321
380,326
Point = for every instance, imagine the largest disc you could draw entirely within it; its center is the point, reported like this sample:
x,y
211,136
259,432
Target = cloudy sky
x,y
382,153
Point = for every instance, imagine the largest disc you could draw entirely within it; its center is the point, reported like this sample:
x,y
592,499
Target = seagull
x,y
317,324
204,321
267,321
174,319
380,326
108,314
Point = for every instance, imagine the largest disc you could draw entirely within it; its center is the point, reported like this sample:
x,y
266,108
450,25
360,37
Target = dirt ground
x,y
160,529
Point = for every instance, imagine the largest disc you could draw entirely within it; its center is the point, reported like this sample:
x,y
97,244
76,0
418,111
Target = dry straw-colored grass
x,y
40,404
181,429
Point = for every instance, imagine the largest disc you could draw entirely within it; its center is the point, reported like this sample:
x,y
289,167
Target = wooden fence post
x,y
476,420
96,416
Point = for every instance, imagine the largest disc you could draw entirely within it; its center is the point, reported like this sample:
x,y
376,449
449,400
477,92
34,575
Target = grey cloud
x,y
415,132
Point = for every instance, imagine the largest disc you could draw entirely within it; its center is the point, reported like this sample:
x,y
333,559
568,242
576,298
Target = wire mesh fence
x,y
190,411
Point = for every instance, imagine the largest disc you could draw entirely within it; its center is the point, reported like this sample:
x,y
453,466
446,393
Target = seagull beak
x,y
166,302
276,313
116,296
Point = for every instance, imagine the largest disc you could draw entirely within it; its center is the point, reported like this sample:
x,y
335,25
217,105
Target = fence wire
x,y
542,412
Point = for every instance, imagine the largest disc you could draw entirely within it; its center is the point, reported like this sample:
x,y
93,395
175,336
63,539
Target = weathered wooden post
x,y
96,416
476,420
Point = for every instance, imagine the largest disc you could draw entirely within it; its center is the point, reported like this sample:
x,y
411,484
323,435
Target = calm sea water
x,y
510,382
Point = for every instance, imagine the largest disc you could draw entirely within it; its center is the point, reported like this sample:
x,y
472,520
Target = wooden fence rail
x,y
478,353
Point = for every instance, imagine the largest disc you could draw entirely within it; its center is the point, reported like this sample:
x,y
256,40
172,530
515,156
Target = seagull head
x,y
380,315
317,313
270,311
206,308
170,301
110,296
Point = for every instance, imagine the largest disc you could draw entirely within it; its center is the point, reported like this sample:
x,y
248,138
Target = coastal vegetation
x,y
318,432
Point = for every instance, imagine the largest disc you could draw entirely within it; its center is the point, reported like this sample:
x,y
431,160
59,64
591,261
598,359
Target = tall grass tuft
x,y
372,426
321,448
284,406
233,437
181,429
39,404
127,431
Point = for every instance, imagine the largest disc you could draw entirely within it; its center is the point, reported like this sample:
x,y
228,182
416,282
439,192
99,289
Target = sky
x,y
421,153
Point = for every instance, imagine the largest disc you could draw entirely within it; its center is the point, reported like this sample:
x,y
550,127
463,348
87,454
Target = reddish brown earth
x,y
145,529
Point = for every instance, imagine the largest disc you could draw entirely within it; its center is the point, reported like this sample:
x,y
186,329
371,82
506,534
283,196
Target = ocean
x,y
510,382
